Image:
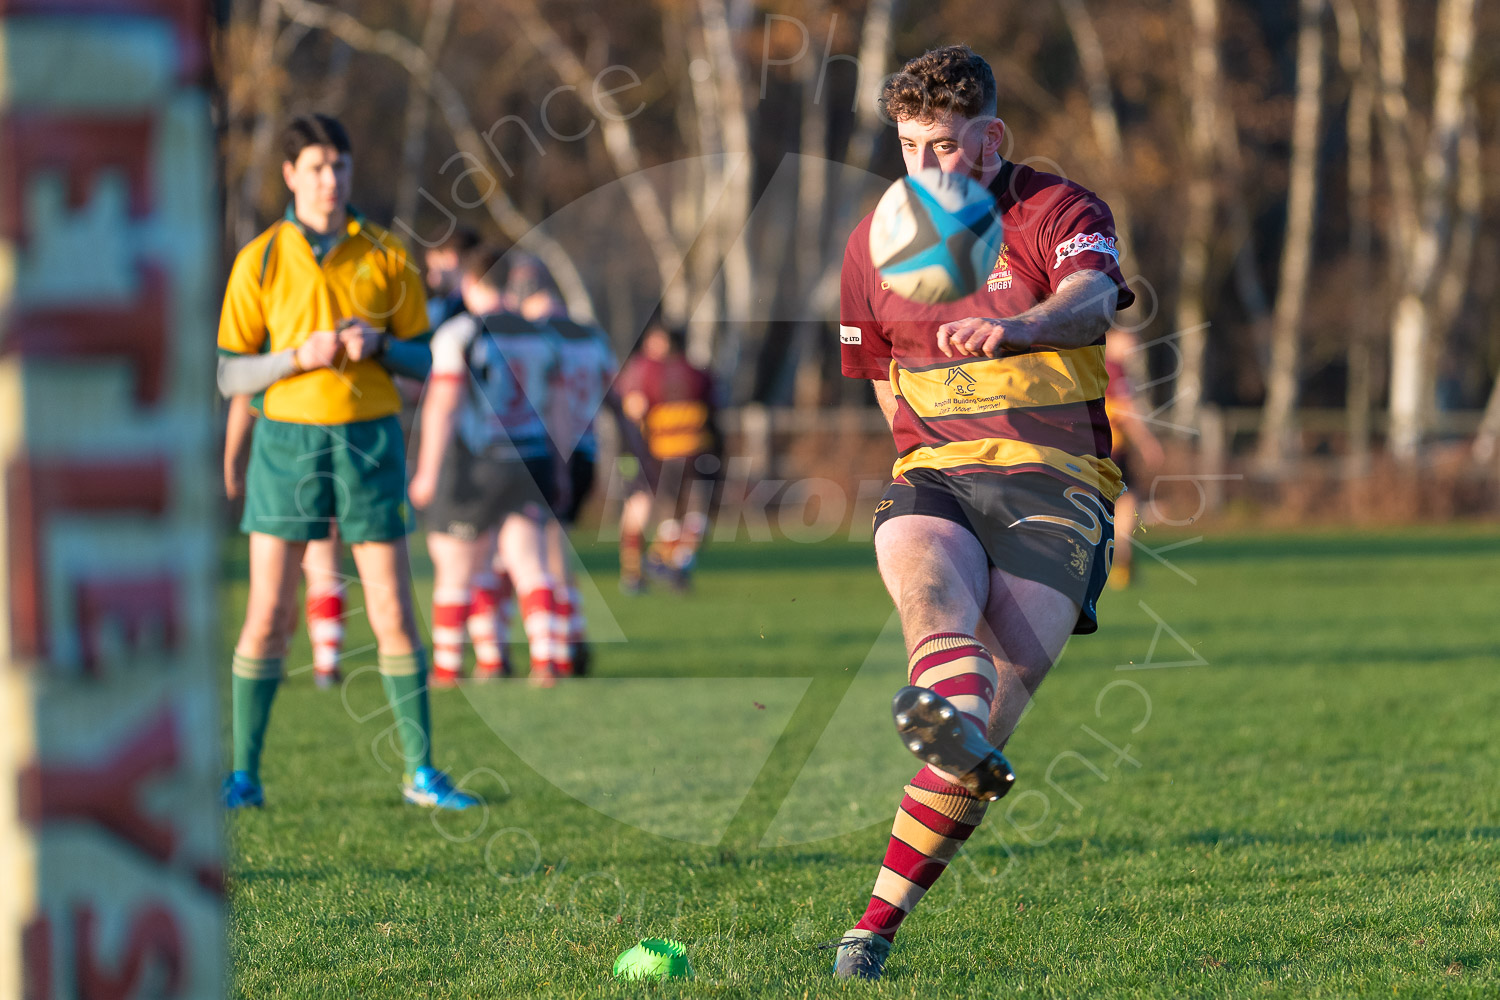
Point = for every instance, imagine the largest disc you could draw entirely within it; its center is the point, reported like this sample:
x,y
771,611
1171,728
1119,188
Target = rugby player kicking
x,y
995,537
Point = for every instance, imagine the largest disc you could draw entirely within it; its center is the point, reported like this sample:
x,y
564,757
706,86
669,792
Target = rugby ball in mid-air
x,y
935,237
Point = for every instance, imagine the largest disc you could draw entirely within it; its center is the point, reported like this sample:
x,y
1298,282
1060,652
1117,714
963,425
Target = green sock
x,y
405,679
253,689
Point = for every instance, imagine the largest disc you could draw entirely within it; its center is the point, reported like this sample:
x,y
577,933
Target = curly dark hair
x,y
952,79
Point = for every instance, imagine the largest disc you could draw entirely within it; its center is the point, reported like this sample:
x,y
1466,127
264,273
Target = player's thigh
x,y
275,565
369,462
522,544
320,564
936,572
454,560
1029,623
385,575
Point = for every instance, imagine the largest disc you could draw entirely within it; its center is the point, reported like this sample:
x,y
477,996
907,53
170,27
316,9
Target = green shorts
x,y
305,477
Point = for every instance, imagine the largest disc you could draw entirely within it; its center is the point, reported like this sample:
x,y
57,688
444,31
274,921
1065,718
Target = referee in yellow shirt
x,y
320,310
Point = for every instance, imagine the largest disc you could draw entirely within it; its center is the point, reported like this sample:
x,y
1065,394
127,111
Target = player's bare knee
x,y
935,599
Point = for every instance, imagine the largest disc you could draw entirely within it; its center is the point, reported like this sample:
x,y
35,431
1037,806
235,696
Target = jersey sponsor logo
x,y
1000,278
960,381
850,335
1086,243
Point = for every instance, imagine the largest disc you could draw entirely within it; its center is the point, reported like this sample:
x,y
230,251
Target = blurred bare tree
x,y
703,157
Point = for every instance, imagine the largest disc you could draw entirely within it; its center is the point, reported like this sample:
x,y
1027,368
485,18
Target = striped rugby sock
x,y
562,617
450,613
325,627
484,626
538,612
958,667
932,823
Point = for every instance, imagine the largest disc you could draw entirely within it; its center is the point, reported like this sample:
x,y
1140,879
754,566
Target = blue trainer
x,y
432,788
241,791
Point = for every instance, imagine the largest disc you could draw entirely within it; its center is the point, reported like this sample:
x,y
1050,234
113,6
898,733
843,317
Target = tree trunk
x,y
262,134
418,105
1202,85
1486,441
737,270
1296,255
619,141
1105,122
1411,328
1361,236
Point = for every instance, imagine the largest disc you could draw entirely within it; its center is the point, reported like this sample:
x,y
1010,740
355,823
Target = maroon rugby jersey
x,y
1035,410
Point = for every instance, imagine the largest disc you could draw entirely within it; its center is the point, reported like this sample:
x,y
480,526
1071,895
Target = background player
x,y
444,263
486,465
587,372
299,324
672,402
1134,448
994,538
321,570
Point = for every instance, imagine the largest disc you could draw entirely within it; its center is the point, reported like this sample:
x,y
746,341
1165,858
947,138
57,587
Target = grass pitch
x,y
1272,773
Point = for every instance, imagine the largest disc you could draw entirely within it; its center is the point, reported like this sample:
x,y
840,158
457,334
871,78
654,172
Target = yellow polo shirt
x,y
279,292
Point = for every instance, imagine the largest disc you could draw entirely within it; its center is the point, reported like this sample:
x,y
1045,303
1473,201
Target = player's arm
x,y
409,357
244,368
445,394
248,374
237,445
439,415
631,437
1077,314
405,348
886,397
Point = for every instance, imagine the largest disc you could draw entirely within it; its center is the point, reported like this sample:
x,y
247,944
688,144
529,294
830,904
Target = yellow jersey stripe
x,y
1043,378
1100,473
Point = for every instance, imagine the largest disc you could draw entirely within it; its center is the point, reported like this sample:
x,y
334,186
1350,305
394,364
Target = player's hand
x,y
234,480
422,488
982,337
319,350
360,341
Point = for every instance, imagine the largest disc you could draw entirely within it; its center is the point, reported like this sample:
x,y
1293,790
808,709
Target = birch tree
x,y
1430,226
1296,254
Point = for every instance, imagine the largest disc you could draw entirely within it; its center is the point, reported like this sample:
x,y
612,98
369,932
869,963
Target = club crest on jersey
x,y
960,381
1084,243
1000,277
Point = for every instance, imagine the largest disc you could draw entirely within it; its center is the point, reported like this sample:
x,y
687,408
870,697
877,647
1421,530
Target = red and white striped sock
x,y
450,612
538,611
325,627
484,628
562,619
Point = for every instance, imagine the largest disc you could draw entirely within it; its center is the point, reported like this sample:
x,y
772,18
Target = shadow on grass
x,y
983,850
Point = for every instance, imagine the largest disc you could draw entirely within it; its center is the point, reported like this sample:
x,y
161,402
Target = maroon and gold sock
x,y
934,820
958,667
